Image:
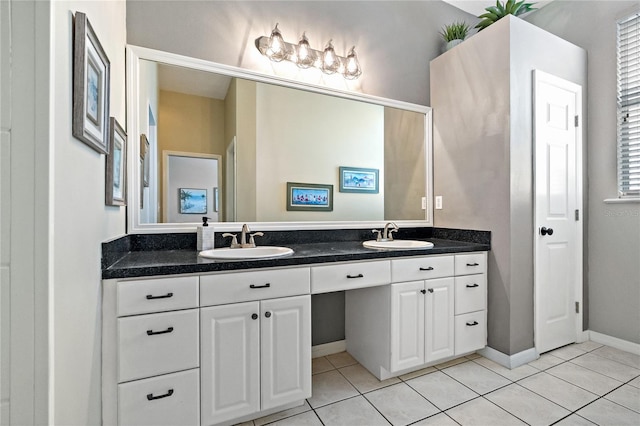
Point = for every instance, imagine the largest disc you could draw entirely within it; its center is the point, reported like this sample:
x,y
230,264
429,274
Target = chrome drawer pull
x,y
471,324
150,396
355,276
150,297
153,333
430,268
472,285
473,264
267,285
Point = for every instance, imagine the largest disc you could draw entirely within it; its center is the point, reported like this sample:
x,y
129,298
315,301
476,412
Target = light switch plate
x,y
424,203
438,202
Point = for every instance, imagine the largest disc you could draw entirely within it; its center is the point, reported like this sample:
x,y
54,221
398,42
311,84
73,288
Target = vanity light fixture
x,y
275,48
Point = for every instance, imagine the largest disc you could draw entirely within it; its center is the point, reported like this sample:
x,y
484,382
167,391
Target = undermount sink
x,y
398,244
246,253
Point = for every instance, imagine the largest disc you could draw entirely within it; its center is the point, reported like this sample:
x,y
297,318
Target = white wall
x,y
80,219
612,269
295,130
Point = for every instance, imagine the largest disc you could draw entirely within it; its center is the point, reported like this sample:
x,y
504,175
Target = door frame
x,y
539,77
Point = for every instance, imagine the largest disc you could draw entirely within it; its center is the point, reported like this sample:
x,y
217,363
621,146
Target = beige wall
x,y
404,164
189,123
245,132
303,137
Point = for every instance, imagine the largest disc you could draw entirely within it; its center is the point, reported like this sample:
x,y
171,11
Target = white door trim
x,y
538,77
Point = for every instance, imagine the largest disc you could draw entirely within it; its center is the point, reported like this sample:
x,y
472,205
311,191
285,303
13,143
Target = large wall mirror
x,y
241,147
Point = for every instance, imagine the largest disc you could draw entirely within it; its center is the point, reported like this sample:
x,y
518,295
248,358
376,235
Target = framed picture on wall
x,y
116,166
91,73
359,180
309,197
193,201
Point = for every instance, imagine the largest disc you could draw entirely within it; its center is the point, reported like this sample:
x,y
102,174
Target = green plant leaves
x,y
455,31
500,10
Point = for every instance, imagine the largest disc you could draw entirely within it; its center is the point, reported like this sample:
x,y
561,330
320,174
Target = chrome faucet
x,y
388,229
386,235
243,238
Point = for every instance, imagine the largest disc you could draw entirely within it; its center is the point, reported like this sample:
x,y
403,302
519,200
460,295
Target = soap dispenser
x,y
205,235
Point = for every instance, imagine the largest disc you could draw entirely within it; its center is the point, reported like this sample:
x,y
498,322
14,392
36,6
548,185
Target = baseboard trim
x,y
510,361
328,348
614,342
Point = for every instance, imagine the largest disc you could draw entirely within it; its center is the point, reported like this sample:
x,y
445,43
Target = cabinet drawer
x,y
149,345
172,399
473,263
254,285
421,268
471,293
470,332
157,295
348,276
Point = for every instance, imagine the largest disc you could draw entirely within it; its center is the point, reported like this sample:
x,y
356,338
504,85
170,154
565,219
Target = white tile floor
x,y
581,384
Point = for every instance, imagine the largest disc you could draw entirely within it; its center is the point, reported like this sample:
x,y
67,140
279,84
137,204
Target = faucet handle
x,y
252,242
389,236
234,240
379,237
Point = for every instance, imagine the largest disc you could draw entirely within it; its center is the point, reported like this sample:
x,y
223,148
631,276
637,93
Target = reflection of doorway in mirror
x,y
149,214
230,177
189,170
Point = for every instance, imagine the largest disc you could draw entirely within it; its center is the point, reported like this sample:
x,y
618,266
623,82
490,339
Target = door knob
x,y
546,231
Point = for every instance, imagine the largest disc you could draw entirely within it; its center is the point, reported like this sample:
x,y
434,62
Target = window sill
x,y
622,200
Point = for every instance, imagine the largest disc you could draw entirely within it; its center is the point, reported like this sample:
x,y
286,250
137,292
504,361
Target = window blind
x,y
628,40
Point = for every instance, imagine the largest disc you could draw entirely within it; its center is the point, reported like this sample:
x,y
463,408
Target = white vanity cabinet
x,y
205,349
255,356
255,342
150,352
431,312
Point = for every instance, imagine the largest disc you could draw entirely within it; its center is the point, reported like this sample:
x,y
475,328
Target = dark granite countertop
x,y
183,260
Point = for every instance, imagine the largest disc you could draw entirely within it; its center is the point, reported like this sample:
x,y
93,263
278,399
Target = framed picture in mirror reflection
x,y
309,197
193,201
359,180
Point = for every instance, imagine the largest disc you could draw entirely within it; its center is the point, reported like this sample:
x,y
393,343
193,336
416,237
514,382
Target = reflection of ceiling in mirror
x,y
192,82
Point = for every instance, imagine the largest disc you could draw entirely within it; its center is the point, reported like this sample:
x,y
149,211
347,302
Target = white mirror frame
x,y
136,53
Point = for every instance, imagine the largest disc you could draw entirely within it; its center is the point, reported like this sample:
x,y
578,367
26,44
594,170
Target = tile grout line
x,y
440,411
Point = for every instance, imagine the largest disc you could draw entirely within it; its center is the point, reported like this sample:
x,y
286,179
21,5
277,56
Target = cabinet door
x,y
286,350
439,311
407,325
230,361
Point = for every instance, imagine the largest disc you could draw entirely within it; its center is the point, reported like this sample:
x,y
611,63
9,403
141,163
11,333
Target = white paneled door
x,y
558,215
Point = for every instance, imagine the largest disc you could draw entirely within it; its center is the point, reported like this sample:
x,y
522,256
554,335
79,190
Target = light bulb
x,y
352,67
330,61
306,57
276,49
